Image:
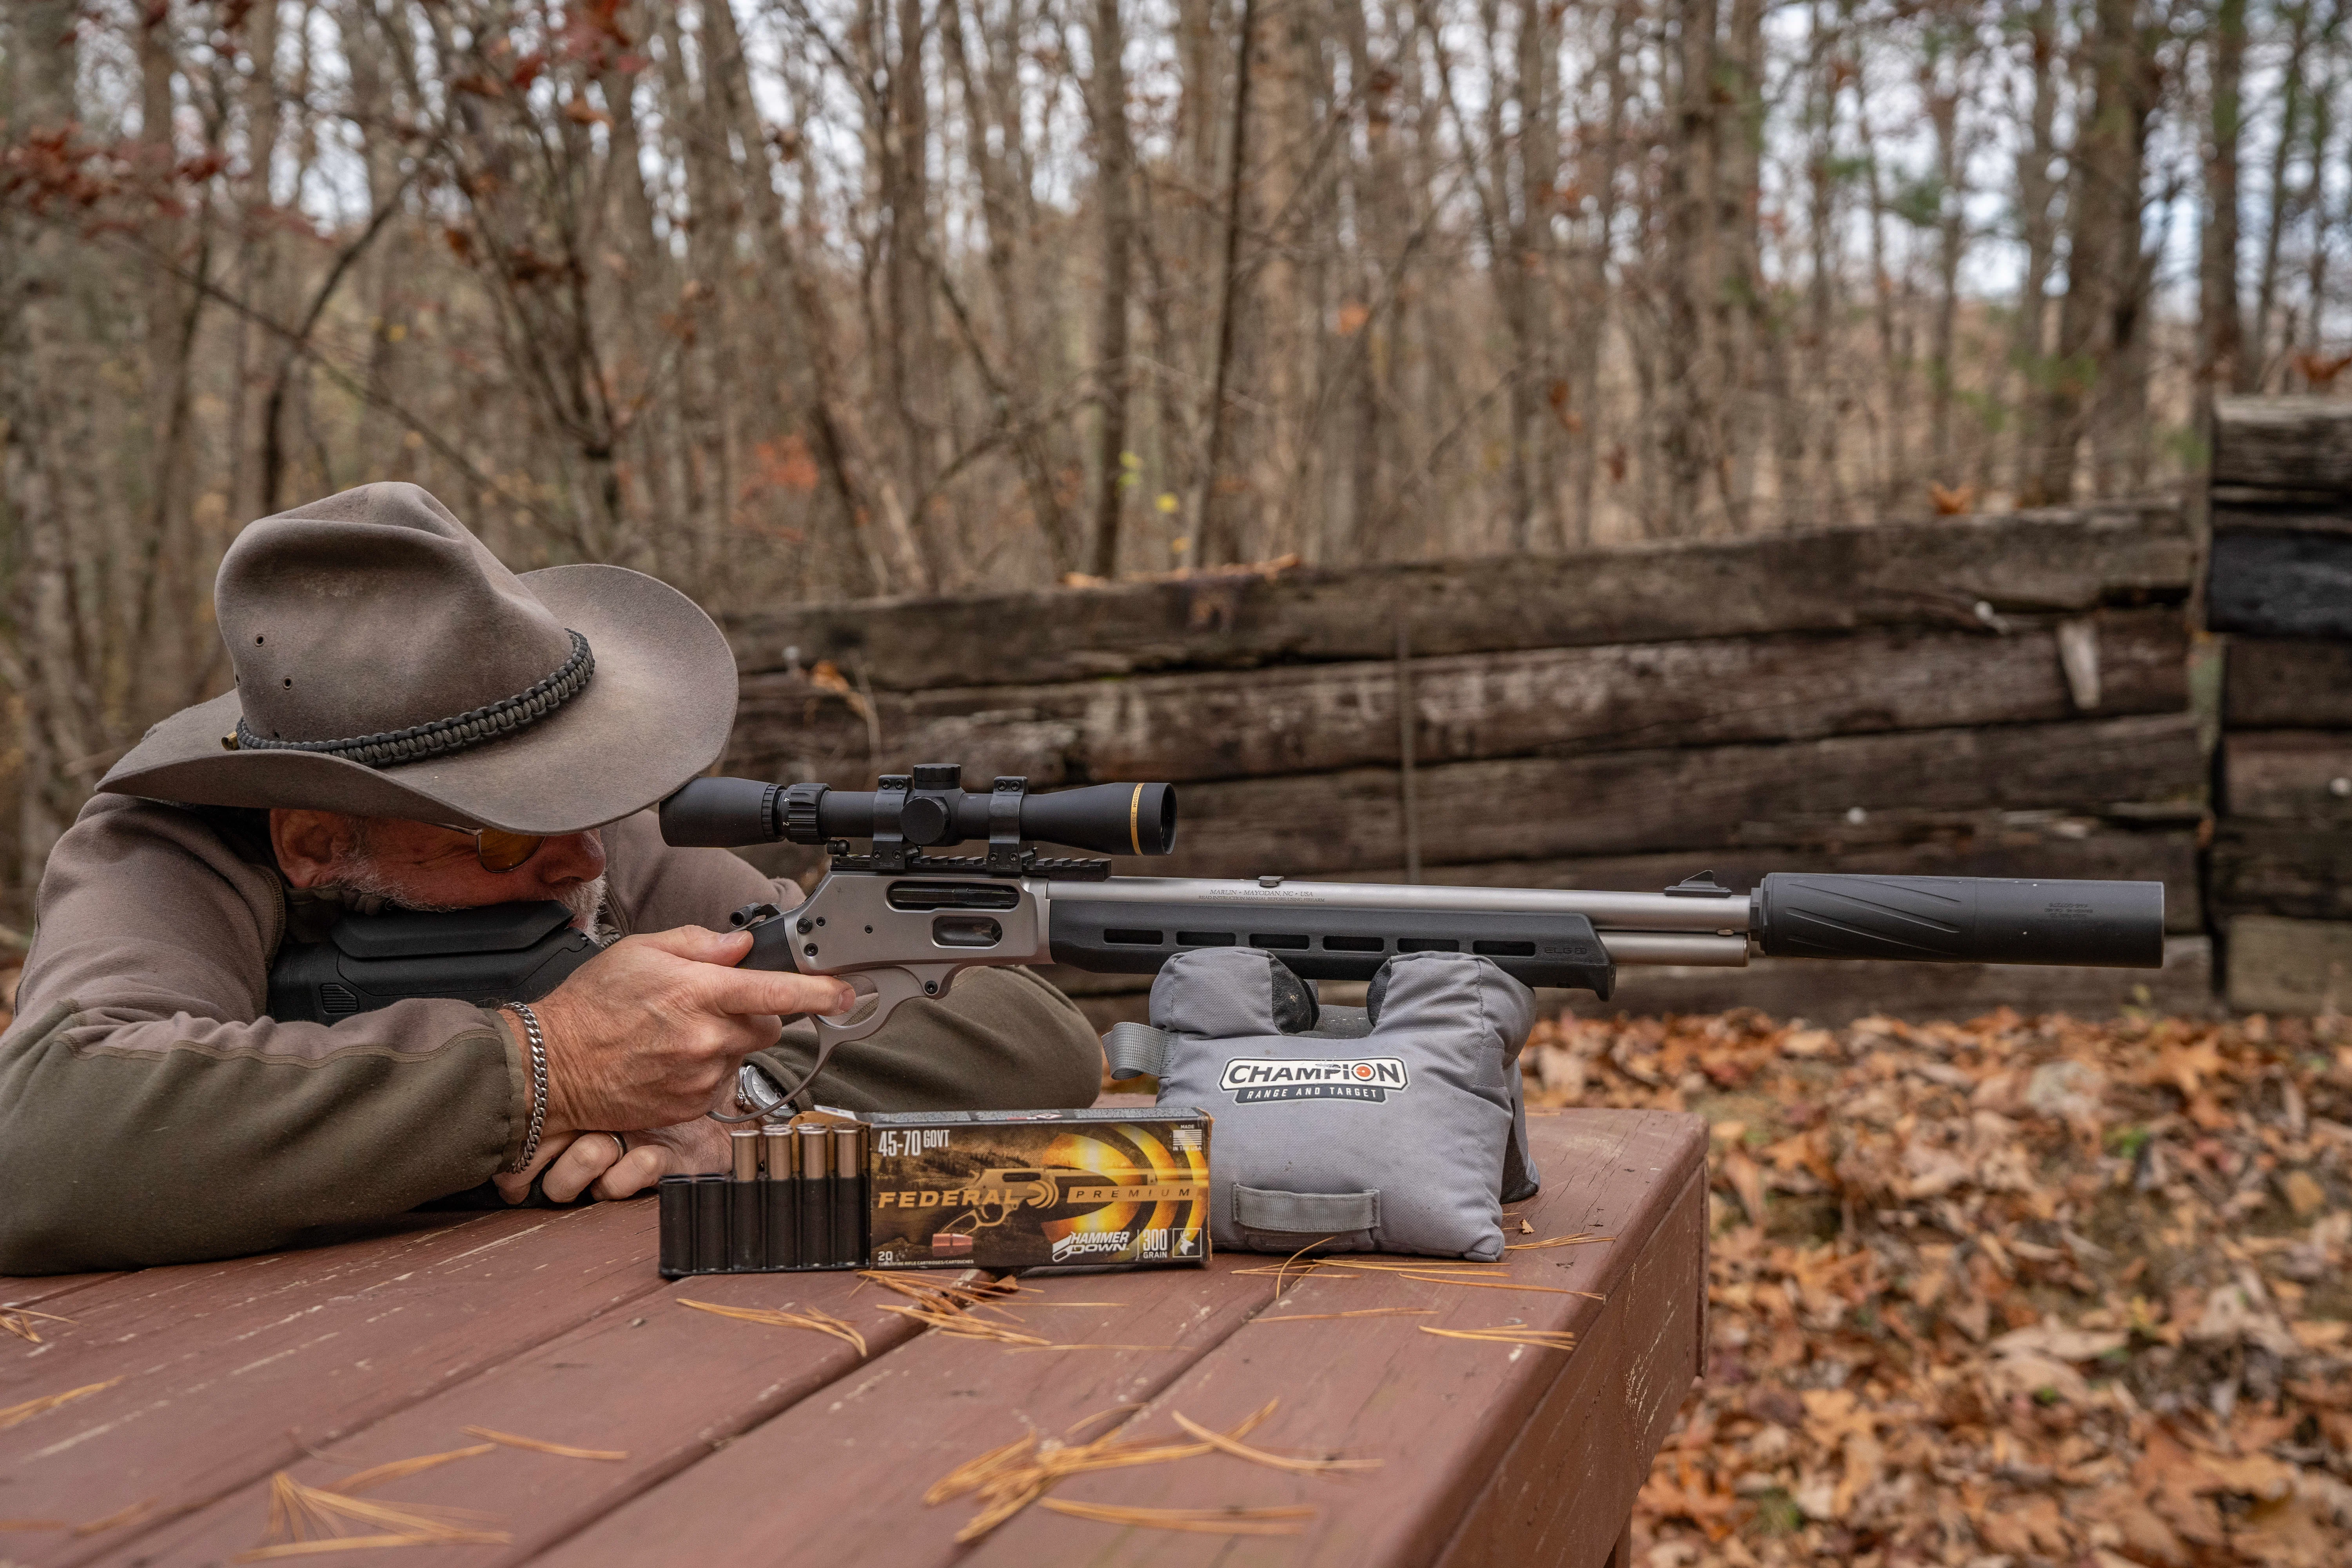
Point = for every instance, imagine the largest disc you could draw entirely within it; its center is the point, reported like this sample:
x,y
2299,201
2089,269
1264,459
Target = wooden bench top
x,y
748,1443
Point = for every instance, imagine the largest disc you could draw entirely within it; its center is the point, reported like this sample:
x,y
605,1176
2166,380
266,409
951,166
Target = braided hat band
x,y
492,721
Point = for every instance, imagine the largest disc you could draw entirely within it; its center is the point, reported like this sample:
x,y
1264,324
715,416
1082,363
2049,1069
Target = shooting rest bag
x,y
1398,1128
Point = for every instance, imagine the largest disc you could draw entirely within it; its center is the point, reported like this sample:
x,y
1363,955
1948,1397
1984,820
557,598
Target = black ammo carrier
x,y
500,952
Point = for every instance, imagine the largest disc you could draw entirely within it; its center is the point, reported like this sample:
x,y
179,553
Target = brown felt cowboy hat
x,y
387,665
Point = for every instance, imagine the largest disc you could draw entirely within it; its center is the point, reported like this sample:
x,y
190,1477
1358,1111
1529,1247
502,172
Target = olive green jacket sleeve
x,y
150,1114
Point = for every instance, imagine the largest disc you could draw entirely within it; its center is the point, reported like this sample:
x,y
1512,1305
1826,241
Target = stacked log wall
x,y
1999,696
2279,590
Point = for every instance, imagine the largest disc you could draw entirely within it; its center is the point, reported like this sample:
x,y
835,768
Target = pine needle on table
x,y
1581,1240
964,1326
305,1518
1009,1479
119,1516
15,1415
561,1450
376,1474
1508,1335
1241,1451
1288,1520
822,1322
18,1320
1358,1312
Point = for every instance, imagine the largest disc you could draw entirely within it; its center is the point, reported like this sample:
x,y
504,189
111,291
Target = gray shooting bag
x,y
1397,1126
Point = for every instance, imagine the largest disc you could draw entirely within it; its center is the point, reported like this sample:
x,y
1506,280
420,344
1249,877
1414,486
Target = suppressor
x,y
848,1196
779,1197
815,1185
746,1247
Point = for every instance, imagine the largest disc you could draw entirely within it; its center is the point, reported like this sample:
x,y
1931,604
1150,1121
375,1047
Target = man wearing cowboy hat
x,y
413,724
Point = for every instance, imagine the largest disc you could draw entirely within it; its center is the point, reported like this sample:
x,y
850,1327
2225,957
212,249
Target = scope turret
x,y
926,809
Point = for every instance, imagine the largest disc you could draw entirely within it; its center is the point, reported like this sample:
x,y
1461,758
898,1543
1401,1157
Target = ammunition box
x,y
1028,1189
949,1189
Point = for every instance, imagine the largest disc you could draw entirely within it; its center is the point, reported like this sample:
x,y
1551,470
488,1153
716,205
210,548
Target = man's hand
x,y
649,1031
600,1166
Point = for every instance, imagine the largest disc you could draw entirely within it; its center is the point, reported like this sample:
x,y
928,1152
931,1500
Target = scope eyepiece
x,y
926,809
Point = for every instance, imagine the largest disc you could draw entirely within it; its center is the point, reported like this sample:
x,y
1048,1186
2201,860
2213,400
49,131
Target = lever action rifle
x,y
900,921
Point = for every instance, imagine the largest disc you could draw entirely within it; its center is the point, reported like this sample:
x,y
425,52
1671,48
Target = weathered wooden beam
x,y
2289,444
2279,582
1628,802
2281,868
2289,776
2289,967
1830,579
1319,717
2288,683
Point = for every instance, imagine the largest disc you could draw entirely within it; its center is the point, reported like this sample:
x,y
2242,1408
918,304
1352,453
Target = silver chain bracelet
x,y
538,1084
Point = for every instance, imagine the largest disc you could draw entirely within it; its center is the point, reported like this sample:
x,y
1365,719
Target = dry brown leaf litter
x,y
2017,1293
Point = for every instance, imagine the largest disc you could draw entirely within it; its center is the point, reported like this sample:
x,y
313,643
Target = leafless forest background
x,y
826,298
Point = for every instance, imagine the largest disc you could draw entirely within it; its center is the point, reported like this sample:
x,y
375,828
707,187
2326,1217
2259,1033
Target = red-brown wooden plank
x,y
1445,1415
1562,1493
28,1291
841,1477
663,1383
224,1377
112,1309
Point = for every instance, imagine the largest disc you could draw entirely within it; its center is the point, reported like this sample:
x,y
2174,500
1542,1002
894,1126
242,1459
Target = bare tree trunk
x,y
1893,358
2129,78
40,661
1744,329
2323,132
1589,312
2221,359
2037,190
2255,372
1689,445
1217,539
1821,220
1114,163
1946,69
2099,317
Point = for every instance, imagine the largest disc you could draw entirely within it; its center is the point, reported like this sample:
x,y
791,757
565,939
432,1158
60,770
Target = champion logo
x,y
1253,1078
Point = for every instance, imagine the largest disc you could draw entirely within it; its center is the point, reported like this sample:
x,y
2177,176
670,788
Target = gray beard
x,y
358,883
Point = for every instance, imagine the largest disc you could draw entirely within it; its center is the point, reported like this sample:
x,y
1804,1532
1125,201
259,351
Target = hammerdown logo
x,y
1250,1079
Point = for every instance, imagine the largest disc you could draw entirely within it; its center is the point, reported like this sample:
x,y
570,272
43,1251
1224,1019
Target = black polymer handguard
x,y
1959,920
501,953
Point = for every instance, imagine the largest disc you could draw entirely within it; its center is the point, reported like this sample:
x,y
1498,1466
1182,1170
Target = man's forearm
x,y
133,1141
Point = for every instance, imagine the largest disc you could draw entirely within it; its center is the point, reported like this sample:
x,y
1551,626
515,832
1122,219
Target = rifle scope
x,y
928,808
